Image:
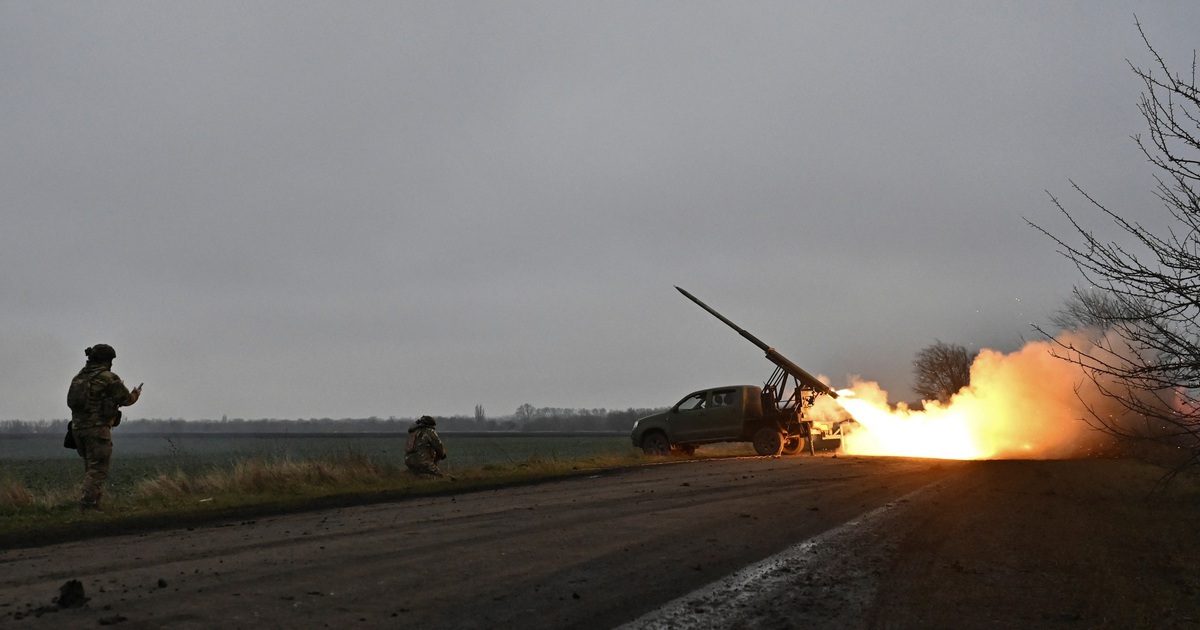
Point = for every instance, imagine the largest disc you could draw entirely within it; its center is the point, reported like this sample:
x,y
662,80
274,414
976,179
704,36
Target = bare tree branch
x,y
942,369
1140,313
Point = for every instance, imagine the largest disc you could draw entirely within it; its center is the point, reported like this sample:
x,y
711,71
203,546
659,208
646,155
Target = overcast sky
x,y
295,210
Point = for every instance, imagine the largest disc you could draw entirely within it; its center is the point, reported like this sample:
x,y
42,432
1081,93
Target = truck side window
x,y
723,399
695,401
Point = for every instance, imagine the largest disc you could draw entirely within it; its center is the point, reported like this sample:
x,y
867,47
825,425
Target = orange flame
x,y
1024,405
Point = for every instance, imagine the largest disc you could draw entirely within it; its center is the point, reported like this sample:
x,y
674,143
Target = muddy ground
x,y
751,543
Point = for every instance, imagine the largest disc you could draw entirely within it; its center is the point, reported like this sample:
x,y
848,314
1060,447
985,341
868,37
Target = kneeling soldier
x,y
424,449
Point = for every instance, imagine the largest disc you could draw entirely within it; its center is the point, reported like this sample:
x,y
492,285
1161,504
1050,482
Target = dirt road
x,y
796,542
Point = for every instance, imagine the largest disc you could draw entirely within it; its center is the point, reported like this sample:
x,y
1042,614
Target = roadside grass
x,y
268,484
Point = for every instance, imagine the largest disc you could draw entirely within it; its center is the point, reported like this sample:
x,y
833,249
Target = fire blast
x,y
1024,405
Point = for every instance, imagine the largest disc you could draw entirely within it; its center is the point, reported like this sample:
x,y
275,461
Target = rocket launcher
x,y
783,363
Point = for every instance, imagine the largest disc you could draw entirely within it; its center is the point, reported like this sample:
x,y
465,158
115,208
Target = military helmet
x,y
426,421
100,353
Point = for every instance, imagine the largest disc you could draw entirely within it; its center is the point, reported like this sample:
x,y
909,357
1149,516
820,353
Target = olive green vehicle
x,y
773,417
718,414
726,414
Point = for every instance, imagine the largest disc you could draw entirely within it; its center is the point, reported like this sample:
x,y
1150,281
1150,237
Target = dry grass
x,y
270,482
15,496
260,476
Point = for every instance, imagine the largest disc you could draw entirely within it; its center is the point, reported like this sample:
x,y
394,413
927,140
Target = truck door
x,y
725,417
688,417
708,415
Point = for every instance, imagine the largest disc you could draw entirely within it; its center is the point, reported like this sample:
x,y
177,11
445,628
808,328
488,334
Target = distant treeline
x,y
527,418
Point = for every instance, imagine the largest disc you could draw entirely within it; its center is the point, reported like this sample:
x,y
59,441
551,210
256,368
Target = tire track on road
x,y
827,581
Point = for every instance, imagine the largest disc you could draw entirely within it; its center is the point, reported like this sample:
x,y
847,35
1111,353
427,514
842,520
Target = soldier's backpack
x,y
77,393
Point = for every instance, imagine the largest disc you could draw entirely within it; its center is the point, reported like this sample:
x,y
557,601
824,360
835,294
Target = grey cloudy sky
x,y
280,209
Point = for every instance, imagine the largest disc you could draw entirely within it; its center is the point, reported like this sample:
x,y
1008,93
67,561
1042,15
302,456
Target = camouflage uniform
x,y
424,449
92,425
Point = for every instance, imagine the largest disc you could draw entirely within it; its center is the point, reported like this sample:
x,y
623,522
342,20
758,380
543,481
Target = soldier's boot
x,y
91,501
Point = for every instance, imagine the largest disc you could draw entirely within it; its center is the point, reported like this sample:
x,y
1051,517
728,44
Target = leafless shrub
x,y
1144,297
941,370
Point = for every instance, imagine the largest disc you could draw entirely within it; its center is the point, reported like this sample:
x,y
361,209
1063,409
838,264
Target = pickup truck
x,y
738,413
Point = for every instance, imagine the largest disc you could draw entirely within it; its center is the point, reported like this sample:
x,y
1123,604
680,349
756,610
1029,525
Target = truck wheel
x,y
656,444
793,445
768,441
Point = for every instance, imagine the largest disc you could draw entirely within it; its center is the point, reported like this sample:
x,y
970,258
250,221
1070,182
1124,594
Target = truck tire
x,y
768,442
656,443
793,445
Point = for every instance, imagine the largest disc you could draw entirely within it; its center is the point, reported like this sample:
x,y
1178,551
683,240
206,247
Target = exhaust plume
x,y
1028,404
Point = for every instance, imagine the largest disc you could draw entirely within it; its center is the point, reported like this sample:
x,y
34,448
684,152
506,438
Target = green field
x,y
40,462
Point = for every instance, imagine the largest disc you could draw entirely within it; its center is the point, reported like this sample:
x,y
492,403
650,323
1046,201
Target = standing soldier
x,y
424,449
95,397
